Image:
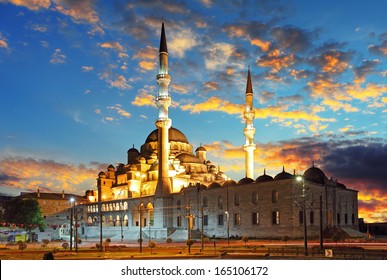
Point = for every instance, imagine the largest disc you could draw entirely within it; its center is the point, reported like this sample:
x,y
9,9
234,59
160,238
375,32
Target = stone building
x,y
166,190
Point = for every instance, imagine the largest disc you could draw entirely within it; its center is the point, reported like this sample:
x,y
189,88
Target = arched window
x,y
255,198
178,205
205,201
236,199
220,202
274,196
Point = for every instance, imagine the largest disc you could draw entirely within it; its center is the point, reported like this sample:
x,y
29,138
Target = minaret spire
x,y
163,123
249,130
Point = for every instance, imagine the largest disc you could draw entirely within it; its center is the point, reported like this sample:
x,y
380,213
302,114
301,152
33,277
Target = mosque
x,y
166,190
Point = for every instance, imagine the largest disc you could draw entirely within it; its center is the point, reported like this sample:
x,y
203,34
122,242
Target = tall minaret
x,y
163,123
249,130
163,197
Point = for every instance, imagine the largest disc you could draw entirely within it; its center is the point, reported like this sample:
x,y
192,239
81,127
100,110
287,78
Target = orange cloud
x,y
148,53
264,45
276,60
120,83
332,63
182,89
32,4
119,110
30,174
80,11
144,98
209,86
112,45
147,65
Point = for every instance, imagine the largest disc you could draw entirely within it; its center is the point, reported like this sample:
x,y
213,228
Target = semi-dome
x,y
315,175
245,181
102,174
173,135
110,168
188,158
264,178
283,175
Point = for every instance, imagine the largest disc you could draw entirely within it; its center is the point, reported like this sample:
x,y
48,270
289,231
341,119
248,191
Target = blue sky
x,y
78,82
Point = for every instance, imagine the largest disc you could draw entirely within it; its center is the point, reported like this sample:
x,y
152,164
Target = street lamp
x,y
303,206
121,220
228,227
71,222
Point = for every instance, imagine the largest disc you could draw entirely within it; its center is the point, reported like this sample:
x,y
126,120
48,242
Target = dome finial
x,y
264,171
283,168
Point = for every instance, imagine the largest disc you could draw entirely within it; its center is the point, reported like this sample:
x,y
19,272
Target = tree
x,y
151,245
189,243
65,245
24,211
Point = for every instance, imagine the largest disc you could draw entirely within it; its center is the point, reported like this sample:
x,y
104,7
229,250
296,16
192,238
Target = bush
x,y
169,240
48,256
151,245
65,245
245,239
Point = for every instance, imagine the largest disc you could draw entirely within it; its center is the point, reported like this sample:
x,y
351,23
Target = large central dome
x,y
173,135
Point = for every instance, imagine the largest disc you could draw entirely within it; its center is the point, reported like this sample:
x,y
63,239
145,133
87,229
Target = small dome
x,y
102,174
245,181
229,183
133,151
264,178
283,175
110,168
315,175
214,185
200,149
188,158
173,135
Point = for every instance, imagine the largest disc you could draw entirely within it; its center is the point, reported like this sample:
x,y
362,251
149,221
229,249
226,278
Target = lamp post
x,y
121,220
303,206
228,227
76,227
71,222
140,218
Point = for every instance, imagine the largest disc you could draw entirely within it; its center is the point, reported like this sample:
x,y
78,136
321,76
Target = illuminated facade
x,y
165,189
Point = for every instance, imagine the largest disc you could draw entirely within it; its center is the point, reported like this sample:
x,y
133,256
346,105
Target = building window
x,y
220,220
236,199
255,198
346,218
178,205
179,221
353,219
220,202
311,217
237,219
338,218
255,218
205,220
274,196
205,201
276,218
300,217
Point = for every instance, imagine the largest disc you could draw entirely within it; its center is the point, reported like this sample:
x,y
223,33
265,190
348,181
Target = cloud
x,y
181,89
366,68
147,53
276,60
120,111
32,4
211,86
293,38
28,174
3,43
80,11
147,65
112,45
379,49
145,98
87,68
333,61
121,83
264,45
58,57
182,41
219,55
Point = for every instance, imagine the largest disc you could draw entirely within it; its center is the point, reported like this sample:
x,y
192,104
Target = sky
x,y
78,88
